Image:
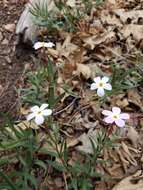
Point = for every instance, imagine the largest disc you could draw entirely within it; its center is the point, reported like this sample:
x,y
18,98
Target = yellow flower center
x,y
39,113
115,116
100,84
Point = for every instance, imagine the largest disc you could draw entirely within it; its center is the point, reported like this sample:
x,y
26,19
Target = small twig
x,y
66,133
78,110
4,90
66,185
114,52
64,109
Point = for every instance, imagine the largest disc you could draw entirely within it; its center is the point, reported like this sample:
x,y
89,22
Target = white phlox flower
x,y
39,113
71,3
39,45
115,116
101,84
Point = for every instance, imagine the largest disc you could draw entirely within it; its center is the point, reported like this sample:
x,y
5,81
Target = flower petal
x,y
47,112
43,106
120,122
97,79
107,112
105,79
35,109
116,110
107,86
93,86
124,116
48,44
108,119
30,116
39,119
100,91
38,45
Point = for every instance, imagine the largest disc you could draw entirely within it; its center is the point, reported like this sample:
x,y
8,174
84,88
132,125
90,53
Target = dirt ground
x,y
11,66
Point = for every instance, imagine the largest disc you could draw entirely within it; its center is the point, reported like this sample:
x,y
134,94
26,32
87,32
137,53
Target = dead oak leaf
x,y
135,98
126,184
93,41
133,136
133,29
85,139
67,48
110,19
133,15
128,155
84,70
26,124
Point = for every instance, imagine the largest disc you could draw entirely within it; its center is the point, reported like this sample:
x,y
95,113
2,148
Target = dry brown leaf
x,y
128,155
53,52
26,124
24,111
92,41
120,100
123,103
126,184
85,139
84,70
109,19
115,170
71,142
100,186
111,2
67,47
125,163
133,29
133,15
68,69
135,98
22,126
133,136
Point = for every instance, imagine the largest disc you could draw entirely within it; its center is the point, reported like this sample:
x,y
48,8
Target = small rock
x,y
5,42
8,59
9,27
6,51
58,181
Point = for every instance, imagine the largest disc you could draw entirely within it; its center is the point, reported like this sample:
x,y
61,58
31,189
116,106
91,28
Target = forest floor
x,y
111,45
11,67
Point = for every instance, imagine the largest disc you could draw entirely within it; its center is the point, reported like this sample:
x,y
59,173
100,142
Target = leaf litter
x,y
112,35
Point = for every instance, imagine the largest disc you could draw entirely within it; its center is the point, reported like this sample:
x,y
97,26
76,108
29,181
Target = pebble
x,y
58,181
5,42
8,59
9,27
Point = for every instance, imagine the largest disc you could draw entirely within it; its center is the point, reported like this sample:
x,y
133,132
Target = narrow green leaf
x,y
41,164
6,178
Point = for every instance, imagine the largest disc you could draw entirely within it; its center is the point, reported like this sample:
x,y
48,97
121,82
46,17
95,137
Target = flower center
x,y
100,84
115,116
39,113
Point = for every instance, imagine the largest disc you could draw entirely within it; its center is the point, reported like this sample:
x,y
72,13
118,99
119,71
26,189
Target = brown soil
x,y
11,67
